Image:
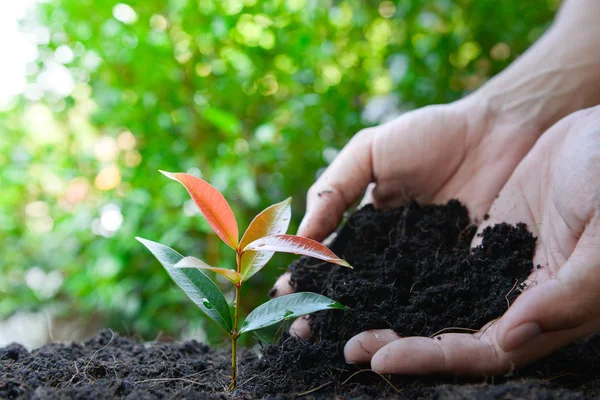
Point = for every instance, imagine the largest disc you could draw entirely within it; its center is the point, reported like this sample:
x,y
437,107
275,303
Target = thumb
x,y
338,187
567,301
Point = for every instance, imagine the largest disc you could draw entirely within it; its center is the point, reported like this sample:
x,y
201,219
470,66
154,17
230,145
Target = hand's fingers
x,y
452,353
282,286
301,327
463,354
568,301
338,187
544,319
361,347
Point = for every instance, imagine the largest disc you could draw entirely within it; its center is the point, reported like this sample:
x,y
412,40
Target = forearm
x,y
560,74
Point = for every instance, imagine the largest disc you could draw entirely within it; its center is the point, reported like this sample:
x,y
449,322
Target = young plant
x,y
265,236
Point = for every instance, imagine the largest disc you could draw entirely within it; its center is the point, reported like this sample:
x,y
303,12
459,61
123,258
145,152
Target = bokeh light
x,y
257,97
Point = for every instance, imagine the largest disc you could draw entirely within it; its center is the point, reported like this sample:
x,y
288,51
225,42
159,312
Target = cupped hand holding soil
x,y
464,150
555,190
474,150
431,155
558,197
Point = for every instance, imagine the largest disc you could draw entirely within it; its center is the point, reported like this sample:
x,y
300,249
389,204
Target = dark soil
x,y
413,272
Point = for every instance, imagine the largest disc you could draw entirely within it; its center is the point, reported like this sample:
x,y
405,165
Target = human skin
x,y
485,145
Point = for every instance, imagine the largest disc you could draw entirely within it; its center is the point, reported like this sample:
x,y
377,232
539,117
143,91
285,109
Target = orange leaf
x,y
213,206
296,245
193,262
273,220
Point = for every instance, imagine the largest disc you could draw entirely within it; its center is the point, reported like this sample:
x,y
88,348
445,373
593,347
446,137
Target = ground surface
x,y
413,273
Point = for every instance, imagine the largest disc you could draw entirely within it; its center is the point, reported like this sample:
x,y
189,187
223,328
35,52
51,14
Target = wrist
x,y
554,78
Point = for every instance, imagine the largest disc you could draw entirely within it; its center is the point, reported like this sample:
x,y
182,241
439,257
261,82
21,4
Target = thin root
x,y
454,328
509,292
314,389
378,374
170,379
98,351
560,376
77,371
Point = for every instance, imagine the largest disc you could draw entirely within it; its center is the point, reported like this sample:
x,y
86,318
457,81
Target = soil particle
x,y
414,272
323,192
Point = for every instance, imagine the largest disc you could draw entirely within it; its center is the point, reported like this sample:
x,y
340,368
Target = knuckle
x,y
364,136
365,132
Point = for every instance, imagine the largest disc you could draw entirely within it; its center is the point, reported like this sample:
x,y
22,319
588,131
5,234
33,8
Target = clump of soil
x,y
414,272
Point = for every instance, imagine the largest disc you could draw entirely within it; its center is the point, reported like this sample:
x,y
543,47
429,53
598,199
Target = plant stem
x,y
234,337
235,334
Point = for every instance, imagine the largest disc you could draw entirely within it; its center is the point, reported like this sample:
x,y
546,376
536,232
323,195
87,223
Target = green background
x,y
254,96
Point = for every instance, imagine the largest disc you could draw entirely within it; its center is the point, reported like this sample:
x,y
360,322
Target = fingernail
x,y
520,335
349,360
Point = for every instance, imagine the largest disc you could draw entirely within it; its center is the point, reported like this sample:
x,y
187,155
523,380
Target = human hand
x,y
463,150
556,191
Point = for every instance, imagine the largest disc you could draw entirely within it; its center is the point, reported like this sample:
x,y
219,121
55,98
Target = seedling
x,y
265,236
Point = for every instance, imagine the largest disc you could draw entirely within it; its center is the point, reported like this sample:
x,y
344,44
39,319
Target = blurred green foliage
x,y
255,96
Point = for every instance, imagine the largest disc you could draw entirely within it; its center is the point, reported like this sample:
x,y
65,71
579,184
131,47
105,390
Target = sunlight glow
x,y
16,49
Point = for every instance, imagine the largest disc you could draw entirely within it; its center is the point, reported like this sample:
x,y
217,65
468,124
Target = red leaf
x,y
273,220
296,245
213,206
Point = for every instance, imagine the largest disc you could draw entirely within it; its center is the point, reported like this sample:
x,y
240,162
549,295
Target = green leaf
x,y
199,288
223,120
271,334
287,307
